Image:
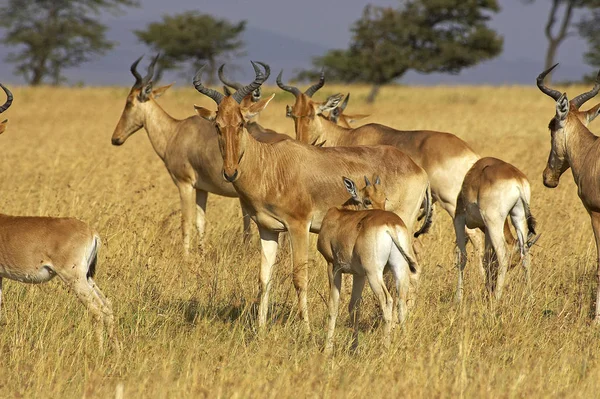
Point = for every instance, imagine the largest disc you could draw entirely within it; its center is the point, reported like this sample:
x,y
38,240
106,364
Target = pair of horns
x,y
139,81
555,94
9,99
295,91
241,91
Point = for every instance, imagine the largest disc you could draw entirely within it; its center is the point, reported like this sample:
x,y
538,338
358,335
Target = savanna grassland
x,y
188,327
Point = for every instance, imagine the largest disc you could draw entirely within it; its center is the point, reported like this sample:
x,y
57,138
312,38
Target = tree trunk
x,y
550,56
374,92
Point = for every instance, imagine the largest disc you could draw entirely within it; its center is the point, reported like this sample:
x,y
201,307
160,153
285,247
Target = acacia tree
x,y
54,34
423,35
192,38
556,34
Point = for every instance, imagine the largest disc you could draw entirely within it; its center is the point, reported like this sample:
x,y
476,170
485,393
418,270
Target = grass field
x,y
188,328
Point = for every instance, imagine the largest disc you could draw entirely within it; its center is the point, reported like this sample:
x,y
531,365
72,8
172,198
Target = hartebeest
x,y
338,116
445,157
189,149
289,186
492,191
34,250
574,146
365,243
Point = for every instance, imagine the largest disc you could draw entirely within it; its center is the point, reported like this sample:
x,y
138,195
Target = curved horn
x,y
267,69
136,74
582,98
150,73
555,94
314,88
290,89
344,104
215,95
9,99
224,80
239,95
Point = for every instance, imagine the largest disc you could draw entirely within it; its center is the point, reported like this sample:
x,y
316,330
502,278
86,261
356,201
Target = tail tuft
x,y
428,213
93,258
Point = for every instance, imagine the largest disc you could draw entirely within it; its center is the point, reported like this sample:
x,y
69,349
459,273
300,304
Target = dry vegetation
x,y
187,327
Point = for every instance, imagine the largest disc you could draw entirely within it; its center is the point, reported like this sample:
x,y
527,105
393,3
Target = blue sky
x,y
288,33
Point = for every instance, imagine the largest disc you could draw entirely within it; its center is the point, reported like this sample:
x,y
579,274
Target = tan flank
x,y
34,250
575,146
289,186
492,191
363,242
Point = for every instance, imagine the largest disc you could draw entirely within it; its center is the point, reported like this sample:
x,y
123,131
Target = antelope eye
x,y
367,202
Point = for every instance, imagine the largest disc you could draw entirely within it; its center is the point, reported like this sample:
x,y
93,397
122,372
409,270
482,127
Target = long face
x,y
232,140
371,196
557,159
306,114
132,118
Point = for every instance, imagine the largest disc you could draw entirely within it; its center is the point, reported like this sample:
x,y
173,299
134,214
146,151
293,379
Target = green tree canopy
x,y
192,37
54,34
422,35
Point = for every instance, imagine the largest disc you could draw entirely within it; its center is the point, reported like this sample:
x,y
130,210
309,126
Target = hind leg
x,y
358,284
517,216
106,310
461,253
401,272
335,284
386,303
495,232
0,297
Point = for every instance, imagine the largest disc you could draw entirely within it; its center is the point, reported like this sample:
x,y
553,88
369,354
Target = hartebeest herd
x,y
363,231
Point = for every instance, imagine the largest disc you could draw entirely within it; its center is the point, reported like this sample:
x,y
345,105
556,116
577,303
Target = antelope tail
x,y
428,205
531,222
394,234
93,258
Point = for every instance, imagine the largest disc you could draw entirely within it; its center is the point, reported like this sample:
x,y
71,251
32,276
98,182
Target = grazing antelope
x,y
289,186
366,243
574,146
338,116
445,157
189,149
492,191
34,250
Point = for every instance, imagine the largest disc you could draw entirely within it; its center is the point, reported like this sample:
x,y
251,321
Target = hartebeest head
x,y
338,116
305,111
9,100
141,95
231,117
372,196
568,118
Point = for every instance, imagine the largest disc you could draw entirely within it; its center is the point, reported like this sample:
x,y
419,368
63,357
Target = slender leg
x,y
299,237
268,244
401,272
86,295
358,284
520,224
490,265
596,227
201,197
107,311
335,284
188,208
476,239
246,221
461,253
0,296
495,230
385,301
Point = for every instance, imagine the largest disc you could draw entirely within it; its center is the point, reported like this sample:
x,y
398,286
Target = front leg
x,y
596,227
268,244
299,237
201,198
187,196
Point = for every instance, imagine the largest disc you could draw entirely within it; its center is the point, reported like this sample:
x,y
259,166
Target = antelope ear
x,y
159,91
257,107
351,187
145,92
562,107
329,105
3,125
288,111
205,113
377,180
592,113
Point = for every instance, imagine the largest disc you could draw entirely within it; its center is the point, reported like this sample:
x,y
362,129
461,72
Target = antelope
x,y
363,239
338,116
188,148
492,191
574,146
289,186
34,250
445,157
9,100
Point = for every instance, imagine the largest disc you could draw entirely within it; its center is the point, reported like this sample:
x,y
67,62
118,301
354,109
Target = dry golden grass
x,y
188,328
